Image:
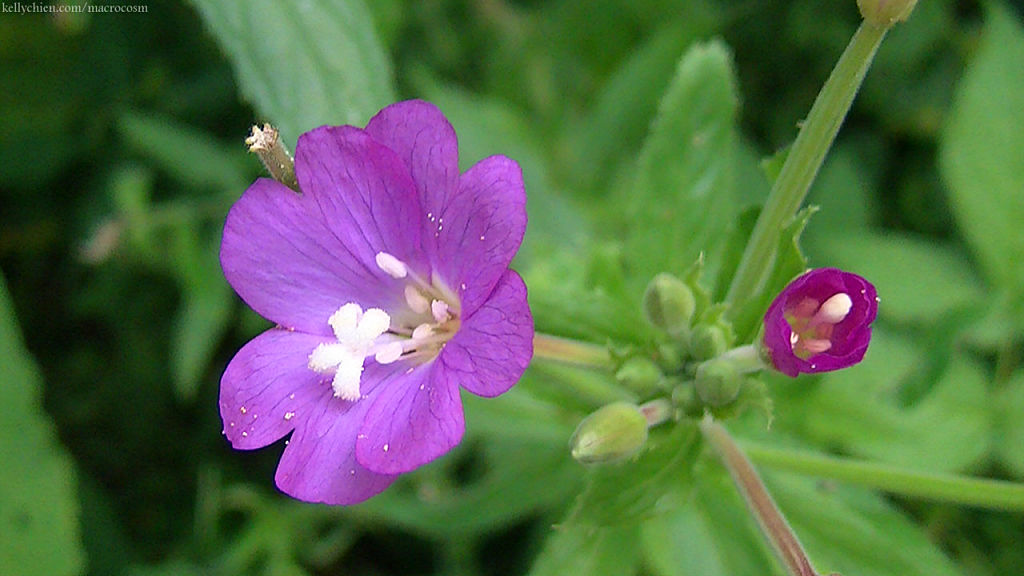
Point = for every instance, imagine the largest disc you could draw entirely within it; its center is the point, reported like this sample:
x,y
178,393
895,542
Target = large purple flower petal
x,y
267,388
414,417
495,344
479,230
319,464
281,258
425,141
364,190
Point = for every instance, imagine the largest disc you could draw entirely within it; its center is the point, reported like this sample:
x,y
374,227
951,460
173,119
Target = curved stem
x,y
575,352
984,493
804,160
773,524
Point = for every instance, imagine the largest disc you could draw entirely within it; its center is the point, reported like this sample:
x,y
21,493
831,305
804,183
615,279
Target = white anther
x,y
417,302
422,331
439,309
391,265
816,346
834,309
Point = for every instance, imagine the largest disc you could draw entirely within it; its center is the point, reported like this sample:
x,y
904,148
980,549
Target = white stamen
x,y
793,338
391,265
389,353
422,331
817,346
439,309
834,309
417,302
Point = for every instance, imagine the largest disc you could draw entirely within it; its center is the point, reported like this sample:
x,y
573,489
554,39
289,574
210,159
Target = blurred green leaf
x,y
706,530
682,199
38,508
852,531
304,64
627,102
896,264
1008,433
588,551
860,411
629,492
789,264
205,309
518,479
190,156
980,150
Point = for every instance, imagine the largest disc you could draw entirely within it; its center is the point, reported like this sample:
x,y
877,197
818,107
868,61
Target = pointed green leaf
x,y
980,150
303,64
682,199
626,493
38,507
588,551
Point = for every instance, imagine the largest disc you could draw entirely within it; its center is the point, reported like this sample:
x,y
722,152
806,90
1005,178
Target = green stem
x,y
567,351
950,488
804,160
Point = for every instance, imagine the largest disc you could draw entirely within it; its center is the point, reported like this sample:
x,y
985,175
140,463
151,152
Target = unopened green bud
x,y
718,383
669,303
708,342
885,13
611,434
639,374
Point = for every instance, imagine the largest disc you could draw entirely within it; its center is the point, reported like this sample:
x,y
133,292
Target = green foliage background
x,y
639,125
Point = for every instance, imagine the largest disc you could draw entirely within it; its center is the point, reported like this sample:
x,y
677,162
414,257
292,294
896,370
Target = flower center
x,y
813,322
416,331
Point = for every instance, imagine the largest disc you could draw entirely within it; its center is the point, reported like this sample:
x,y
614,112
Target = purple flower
x,y
820,322
388,278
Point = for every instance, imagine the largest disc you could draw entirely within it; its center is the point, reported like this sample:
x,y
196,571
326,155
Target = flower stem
x,y
804,160
575,352
950,488
769,517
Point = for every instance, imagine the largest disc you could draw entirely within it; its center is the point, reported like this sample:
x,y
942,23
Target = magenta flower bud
x,y
820,322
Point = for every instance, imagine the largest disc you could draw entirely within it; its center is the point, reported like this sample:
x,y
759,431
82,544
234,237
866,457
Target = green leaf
x,y
860,409
626,493
518,478
706,531
1008,433
205,310
38,508
683,196
789,264
852,531
895,264
629,99
192,157
980,150
588,551
303,64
